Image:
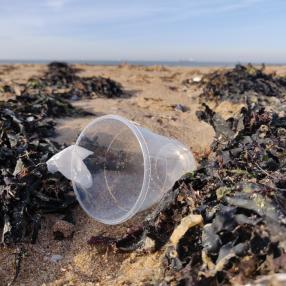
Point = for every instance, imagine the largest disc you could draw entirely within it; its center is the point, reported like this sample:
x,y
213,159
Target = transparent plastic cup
x,y
129,168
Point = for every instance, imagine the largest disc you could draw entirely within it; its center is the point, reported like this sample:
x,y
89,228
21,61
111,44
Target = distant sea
x,y
144,63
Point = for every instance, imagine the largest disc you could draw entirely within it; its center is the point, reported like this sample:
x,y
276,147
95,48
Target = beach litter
x,y
119,168
194,80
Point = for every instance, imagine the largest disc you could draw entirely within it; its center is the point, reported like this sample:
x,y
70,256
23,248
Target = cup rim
x,y
147,168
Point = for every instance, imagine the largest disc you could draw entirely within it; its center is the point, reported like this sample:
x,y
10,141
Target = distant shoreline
x,y
143,63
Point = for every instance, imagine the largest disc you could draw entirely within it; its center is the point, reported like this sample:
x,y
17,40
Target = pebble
x,y
56,258
180,107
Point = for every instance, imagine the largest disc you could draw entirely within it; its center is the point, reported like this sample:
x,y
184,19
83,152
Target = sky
x,y
156,30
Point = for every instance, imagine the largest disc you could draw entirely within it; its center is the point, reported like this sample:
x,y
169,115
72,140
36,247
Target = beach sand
x,y
154,93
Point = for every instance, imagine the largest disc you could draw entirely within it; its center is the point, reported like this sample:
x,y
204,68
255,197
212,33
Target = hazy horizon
x,y
227,31
143,62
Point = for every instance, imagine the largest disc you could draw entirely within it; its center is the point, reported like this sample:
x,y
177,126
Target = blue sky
x,y
201,30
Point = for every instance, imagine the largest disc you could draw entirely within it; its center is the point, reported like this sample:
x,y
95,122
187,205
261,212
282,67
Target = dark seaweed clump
x,y
64,80
242,83
27,190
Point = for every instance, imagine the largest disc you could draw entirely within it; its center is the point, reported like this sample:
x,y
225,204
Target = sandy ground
x,y
154,91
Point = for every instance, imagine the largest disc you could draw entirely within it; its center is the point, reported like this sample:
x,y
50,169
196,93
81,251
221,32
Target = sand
x,y
154,91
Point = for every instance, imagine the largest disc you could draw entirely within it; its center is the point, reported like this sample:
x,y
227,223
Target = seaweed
x,y
63,79
27,189
245,82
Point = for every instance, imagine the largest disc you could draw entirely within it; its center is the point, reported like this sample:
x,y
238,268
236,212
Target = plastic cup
x,y
131,168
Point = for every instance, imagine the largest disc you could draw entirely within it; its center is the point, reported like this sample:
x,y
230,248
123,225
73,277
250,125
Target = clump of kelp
x,y
224,223
245,82
27,190
64,80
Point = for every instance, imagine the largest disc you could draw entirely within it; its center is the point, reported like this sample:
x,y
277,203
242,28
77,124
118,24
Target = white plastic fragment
x,y
197,78
70,163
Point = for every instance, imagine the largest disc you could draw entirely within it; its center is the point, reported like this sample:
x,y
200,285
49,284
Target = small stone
x,y
180,107
262,135
281,132
56,258
62,229
282,113
30,118
149,244
263,128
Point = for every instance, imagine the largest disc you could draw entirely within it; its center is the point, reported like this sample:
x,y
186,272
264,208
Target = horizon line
x,y
189,62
